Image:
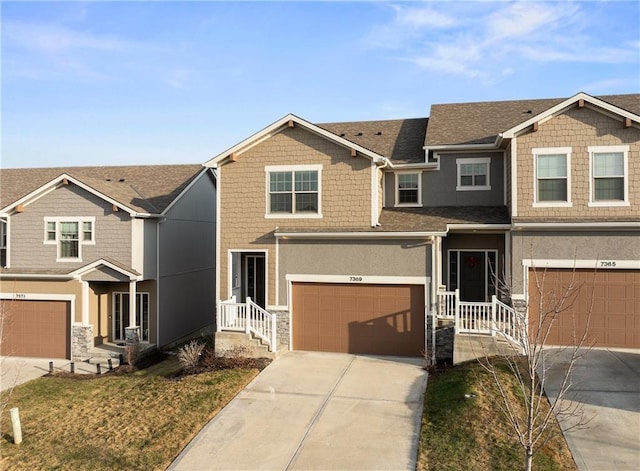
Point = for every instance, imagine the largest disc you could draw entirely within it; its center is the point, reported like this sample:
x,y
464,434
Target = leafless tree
x,y
7,389
528,410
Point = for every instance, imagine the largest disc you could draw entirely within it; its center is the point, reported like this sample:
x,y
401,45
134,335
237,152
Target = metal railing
x,y
249,318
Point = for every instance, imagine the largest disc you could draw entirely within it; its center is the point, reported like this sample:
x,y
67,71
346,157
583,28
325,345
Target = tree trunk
x,y
528,463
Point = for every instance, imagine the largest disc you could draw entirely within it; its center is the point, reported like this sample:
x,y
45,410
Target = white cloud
x,y
486,40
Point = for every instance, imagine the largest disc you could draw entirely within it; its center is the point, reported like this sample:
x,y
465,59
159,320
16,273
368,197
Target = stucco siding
x,y
345,194
352,258
570,246
112,230
578,129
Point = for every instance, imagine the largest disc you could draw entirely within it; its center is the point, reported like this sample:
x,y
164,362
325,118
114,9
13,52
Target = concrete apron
x,y
606,385
312,410
19,370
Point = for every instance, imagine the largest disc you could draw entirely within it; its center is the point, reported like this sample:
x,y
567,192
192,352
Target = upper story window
x,y
408,189
608,176
552,185
474,174
69,234
293,191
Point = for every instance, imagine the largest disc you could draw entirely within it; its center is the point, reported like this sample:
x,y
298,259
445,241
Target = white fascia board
x,y
577,225
460,147
93,265
362,279
33,276
577,264
276,127
560,107
419,166
51,185
480,227
359,235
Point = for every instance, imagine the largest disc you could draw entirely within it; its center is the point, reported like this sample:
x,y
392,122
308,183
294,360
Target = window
x,y
3,242
608,182
293,191
408,192
552,182
473,174
69,234
121,315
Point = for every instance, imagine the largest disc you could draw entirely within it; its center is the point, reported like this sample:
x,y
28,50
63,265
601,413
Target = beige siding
x,y
578,129
345,195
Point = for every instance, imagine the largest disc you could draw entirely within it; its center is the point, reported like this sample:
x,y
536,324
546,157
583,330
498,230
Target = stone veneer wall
x,y
283,328
81,342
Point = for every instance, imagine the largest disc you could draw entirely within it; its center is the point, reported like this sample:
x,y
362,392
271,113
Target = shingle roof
x,y
431,219
144,188
480,123
400,140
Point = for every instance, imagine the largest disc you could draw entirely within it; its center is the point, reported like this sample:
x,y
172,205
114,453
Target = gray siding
x,y
361,257
439,186
570,246
112,230
187,263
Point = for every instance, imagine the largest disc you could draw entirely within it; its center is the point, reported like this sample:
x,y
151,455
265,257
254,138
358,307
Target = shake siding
x,y
345,195
578,129
112,230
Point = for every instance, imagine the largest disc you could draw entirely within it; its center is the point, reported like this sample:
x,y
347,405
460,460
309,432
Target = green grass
x,y
135,421
471,433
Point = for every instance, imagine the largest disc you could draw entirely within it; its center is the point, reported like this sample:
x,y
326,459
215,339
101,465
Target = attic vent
x,y
528,112
379,133
121,180
341,134
108,179
358,134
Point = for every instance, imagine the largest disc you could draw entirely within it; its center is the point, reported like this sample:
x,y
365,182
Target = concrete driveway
x,y
312,410
607,385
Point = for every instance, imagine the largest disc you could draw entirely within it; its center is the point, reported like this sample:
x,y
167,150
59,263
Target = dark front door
x,y
254,277
473,283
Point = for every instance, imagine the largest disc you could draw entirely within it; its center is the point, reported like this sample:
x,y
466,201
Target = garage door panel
x,y
376,319
39,329
612,297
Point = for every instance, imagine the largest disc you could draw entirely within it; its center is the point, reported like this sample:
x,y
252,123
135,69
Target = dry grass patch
x,y
461,432
113,421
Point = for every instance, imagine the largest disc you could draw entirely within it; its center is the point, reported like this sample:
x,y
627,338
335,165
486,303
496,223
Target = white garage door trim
x,y
358,280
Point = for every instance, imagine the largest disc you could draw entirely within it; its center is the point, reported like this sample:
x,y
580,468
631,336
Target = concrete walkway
x,y
607,386
19,370
317,411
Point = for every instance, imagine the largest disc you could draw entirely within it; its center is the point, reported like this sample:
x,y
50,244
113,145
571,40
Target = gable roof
x,y
482,123
145,189
399,140
288,121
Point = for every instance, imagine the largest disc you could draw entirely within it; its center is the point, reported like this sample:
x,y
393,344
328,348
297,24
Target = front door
x,y
121,315
472,276
254,278
473,272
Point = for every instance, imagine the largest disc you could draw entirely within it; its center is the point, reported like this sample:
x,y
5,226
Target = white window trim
x,y
549,151
292,168
408,205
603,149
59,219
477,160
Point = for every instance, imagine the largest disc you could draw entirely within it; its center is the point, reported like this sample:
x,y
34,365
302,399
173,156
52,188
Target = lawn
x,y
461,432
132,421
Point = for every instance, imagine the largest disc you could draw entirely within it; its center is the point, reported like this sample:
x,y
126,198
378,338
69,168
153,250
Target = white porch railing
x,y
249,318
492,318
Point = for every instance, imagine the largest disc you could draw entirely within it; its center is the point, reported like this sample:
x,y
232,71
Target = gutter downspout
x,y
434,296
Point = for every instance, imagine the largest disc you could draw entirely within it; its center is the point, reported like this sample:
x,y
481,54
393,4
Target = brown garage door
x,y
38,329
358,318
613,294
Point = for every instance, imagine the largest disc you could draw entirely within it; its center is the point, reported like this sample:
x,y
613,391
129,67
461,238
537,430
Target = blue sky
x,y
110,83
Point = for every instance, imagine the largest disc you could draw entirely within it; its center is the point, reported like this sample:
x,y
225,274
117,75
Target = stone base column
x,y
282,327
131,344
81,342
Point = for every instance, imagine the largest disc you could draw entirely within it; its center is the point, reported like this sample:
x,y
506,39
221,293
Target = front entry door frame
x,y
455,261
247,275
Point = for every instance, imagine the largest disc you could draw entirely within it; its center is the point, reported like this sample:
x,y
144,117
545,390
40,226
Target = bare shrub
x,y
189,354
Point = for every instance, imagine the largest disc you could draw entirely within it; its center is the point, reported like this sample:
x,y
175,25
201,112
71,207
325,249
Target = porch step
x,y
468,347
255,347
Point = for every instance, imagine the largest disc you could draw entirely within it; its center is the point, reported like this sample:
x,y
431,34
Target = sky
x,y
116,83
